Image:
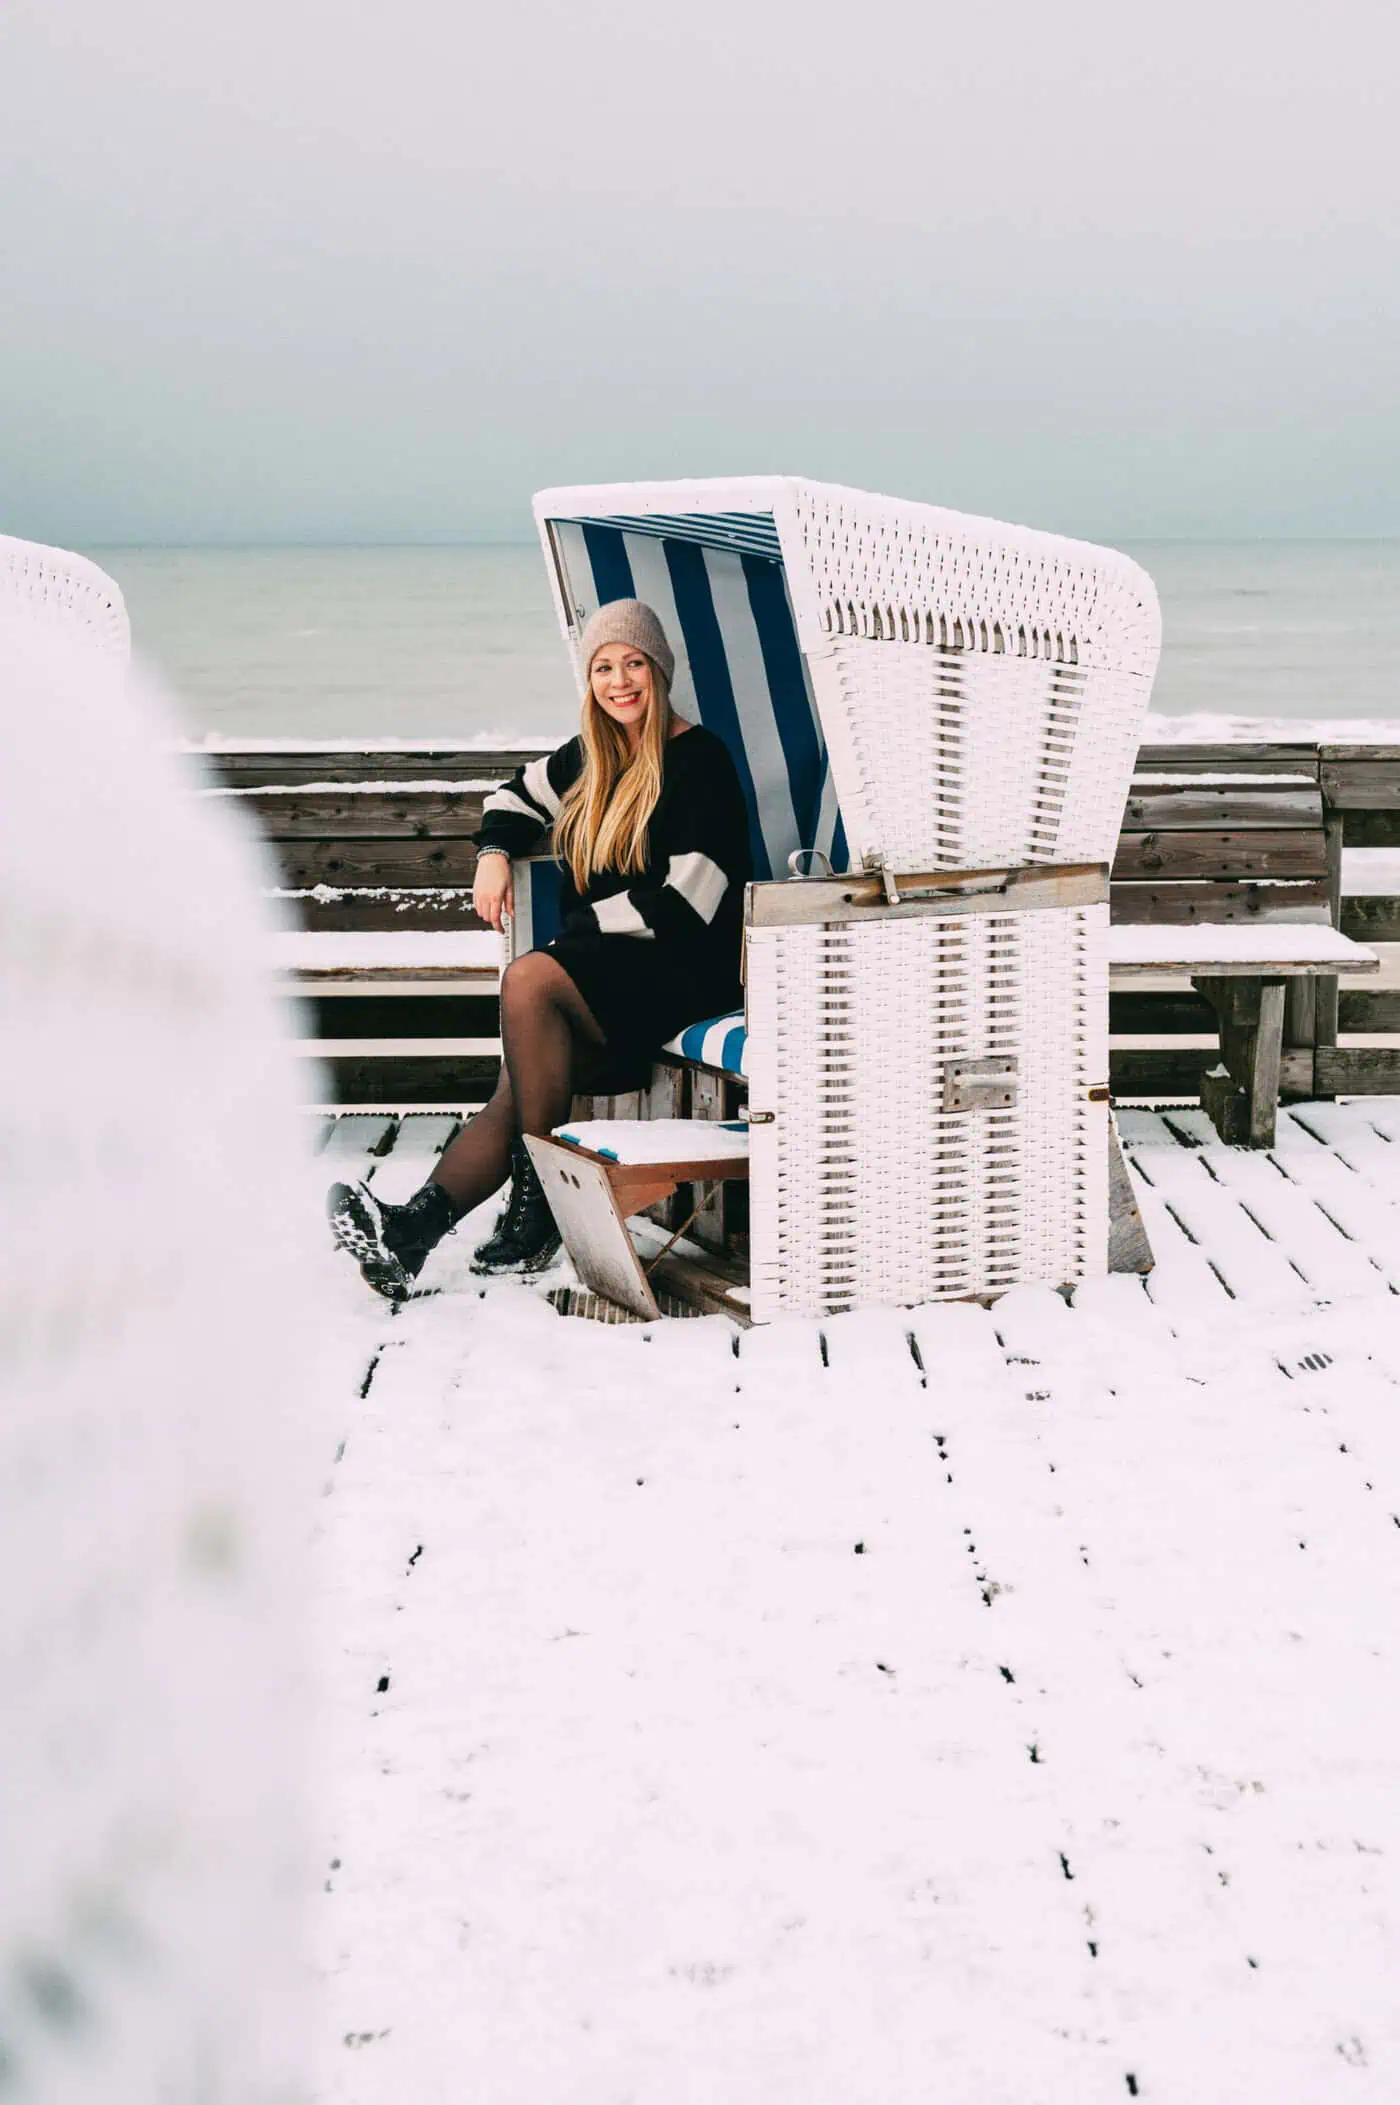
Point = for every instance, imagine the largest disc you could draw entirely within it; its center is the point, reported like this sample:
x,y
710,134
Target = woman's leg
x,y
551,1039
478,1160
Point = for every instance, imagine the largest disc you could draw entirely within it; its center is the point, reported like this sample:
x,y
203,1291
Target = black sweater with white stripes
x,y
690,897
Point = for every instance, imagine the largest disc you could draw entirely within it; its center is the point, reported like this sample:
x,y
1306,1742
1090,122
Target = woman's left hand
x,y
493,893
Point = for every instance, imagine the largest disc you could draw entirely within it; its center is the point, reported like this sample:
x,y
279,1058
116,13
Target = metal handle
x,y
810,855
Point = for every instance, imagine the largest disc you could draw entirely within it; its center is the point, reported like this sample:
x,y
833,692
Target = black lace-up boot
x,y
525,1237
389,1243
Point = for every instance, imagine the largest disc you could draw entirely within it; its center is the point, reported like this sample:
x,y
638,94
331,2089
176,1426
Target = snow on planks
x,y
998,1702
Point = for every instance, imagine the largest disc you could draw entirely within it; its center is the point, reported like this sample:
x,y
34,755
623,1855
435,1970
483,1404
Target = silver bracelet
x,y
493,851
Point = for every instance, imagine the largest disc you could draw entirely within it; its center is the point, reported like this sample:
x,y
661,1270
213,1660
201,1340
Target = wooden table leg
x,y
1240,1095
1265,1062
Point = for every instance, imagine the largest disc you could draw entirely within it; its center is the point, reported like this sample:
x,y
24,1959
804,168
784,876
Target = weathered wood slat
x,y
1371,829
1281,759
1234,854
1186,805
1177,905
1361,778
1358,1070
334,816
1171,1070
265,770
395,1079
1369,1010
1176,1070
1370,917
379,911
349,862
1159,1015
401,1016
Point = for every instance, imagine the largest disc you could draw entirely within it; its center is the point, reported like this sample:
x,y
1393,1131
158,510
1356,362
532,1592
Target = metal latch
x,y
758,1118
980,1085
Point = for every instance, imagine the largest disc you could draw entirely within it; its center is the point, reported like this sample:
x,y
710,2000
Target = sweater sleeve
x,y
707,852
516,816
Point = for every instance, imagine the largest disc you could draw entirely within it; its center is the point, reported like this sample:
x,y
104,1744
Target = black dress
x,y
651,953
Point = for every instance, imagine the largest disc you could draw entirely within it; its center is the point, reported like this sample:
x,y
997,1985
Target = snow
x,y
375,787
490,741
1235,943
407,949
1202,727
996,1706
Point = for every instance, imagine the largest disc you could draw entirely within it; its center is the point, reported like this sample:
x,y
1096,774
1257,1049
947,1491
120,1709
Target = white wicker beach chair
x,y
914,694
63,594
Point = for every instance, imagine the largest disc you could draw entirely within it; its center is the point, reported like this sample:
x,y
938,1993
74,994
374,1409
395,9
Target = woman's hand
x,y
493,893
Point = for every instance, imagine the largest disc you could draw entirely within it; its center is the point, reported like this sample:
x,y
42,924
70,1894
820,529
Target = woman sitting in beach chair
x,y
652,834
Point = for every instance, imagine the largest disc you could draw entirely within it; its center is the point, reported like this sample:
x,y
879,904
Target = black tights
x,y
552,1043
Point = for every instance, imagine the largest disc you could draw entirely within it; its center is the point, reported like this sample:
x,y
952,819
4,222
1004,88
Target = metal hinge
x,y
980,1085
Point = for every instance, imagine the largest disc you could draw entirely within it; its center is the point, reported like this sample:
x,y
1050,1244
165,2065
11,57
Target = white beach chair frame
x,y
973,696
65,595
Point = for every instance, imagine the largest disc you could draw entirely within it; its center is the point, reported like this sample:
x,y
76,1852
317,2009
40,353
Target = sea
x,y
460,644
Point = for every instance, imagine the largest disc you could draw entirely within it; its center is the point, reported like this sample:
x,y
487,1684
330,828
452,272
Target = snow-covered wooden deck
x,y
991,1708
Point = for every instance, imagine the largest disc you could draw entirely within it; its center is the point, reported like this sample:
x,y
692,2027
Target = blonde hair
x,y
604,816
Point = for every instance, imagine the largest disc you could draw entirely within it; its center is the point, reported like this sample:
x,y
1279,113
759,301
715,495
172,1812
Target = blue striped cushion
x,y
717,1042
717,582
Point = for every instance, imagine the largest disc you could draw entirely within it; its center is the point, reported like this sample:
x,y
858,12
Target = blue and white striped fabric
x,y
719,1041
717,583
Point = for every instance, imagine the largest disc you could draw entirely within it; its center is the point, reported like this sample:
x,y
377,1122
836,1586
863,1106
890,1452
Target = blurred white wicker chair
x,y
63,595
919,696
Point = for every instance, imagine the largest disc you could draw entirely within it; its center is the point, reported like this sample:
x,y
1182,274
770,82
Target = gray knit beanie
x,y
627,621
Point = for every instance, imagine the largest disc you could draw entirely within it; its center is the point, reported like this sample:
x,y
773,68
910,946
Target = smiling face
x,y
620,677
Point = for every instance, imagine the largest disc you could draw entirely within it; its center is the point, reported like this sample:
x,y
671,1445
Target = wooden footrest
x,y
592,1196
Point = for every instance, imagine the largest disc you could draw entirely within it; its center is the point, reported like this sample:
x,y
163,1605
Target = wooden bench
x,y
371,846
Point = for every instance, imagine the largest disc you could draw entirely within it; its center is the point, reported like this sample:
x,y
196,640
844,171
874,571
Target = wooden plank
x,y
1182,806
590,1220
666,1098
718,1285
707,1100
1358,1070
395,1078
1233,854
1325,1012
1371,829
1180,905
1226,1104
861,895
1159,1015
406,1016
1149,1071
268,768
1371,918
391,908
1361,778
1227,758
1369,1009
342,815
1128,1247
357,1135
1266,1054
1300,1012
402,863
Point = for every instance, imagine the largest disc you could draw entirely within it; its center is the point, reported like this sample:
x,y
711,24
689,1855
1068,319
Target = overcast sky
x,y
319,269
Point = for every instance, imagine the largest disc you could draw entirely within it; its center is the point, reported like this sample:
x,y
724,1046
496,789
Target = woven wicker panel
x,y
981,687
864,1188
63,594
949,761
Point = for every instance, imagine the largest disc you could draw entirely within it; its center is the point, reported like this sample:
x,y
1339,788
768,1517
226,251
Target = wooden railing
x,y
378,840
